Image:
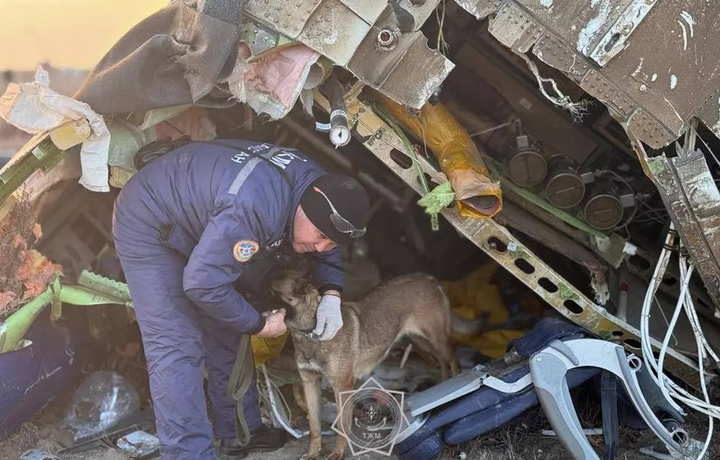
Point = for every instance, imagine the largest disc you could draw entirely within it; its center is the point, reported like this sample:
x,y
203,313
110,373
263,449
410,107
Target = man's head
x,y
333,210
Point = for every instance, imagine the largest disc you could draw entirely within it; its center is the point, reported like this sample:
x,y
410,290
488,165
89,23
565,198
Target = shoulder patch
x,y
244,250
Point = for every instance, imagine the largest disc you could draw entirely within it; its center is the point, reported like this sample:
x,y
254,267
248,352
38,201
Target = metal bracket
x,y
548,368
691,198
446,391
504,387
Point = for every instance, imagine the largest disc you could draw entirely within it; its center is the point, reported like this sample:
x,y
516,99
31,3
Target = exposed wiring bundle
x,y
672,391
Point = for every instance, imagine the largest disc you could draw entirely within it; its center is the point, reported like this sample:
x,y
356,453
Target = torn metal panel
x,y
479,8
599,29
610,49
710,112
514,28
614,40
392,69
552,52
509,252
335,31
693,202
368,11
276,14
364,37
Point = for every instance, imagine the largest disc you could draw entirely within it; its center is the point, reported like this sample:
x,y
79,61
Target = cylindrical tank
x,y
564,187
603,211
527,166
603,208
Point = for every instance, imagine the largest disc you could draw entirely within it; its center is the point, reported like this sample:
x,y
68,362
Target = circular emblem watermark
x,y
371,418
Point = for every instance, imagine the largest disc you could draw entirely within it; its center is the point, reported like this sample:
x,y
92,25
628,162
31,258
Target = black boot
x,y
263,439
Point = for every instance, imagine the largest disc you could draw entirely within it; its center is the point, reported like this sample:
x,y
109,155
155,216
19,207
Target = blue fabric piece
x,y
176,226
547,330
507,407
32,376
428,448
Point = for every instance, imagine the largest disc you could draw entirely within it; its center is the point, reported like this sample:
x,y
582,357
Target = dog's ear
x,y
300,286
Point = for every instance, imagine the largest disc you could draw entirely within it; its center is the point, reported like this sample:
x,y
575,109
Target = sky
x,y
65,33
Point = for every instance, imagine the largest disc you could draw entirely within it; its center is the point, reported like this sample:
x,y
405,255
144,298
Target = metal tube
x,y
339,130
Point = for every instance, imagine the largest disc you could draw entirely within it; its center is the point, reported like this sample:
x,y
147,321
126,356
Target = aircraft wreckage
x,y
573,142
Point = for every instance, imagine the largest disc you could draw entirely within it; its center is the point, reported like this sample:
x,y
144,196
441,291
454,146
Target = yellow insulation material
x,y
476,194
474,295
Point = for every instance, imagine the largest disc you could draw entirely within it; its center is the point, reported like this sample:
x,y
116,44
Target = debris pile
x,y
25,272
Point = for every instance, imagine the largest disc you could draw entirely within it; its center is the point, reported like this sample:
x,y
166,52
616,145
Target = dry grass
x,y
522,439
24,272
16,229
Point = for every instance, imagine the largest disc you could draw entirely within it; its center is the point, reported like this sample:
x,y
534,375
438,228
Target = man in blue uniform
x,y
188,227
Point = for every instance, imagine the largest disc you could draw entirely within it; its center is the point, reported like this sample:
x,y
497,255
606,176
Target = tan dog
x,y
412,306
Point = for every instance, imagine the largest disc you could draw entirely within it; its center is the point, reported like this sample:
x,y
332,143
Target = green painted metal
x,y
538,201
16,325
109,287
105,291
38,153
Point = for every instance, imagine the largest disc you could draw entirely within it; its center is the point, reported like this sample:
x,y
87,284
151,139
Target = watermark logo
x,y
371,418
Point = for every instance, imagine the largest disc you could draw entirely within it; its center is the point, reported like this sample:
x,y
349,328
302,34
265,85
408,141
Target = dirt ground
x,y
519,440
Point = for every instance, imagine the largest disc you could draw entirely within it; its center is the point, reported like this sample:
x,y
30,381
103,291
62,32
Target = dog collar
x,y
307,333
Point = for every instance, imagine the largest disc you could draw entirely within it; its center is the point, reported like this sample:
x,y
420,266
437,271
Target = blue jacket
x,y
220,207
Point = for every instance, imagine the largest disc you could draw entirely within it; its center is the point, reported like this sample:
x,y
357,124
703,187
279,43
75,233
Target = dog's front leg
x,y
311,387
299,395
343,381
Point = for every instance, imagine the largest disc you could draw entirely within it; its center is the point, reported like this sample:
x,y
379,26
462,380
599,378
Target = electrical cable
x,y
670,389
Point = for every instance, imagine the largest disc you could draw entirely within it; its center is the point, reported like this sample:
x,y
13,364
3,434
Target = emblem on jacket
x,y
276,244
244,250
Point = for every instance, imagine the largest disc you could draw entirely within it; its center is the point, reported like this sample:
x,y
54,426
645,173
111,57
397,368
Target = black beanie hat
x,y
350,201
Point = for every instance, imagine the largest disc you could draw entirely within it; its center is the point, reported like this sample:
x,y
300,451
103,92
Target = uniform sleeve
x,y
228,243
328,275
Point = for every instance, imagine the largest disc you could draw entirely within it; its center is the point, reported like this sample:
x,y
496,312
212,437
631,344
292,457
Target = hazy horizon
x,y
69,34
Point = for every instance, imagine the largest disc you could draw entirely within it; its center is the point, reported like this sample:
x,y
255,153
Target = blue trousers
x,y
179,341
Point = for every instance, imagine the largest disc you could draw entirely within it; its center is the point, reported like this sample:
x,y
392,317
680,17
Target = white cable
x,y
647,304
700,342
697,328
708,438
671,328
678,392
670,389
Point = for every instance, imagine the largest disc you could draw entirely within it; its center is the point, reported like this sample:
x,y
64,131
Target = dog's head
x,y
298,295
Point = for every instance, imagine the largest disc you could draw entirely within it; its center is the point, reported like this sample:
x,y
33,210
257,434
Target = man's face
x,y
306,236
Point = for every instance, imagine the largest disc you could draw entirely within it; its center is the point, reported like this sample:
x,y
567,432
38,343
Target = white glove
x,y
329,318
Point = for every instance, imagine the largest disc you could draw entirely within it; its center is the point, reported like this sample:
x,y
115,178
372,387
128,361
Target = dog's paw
x,y
309,457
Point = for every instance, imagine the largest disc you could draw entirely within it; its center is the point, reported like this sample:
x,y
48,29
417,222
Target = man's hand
x,y
274,325
329,317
